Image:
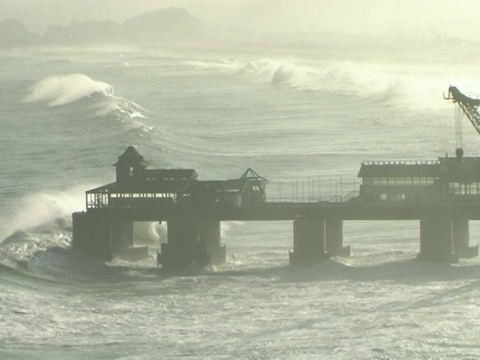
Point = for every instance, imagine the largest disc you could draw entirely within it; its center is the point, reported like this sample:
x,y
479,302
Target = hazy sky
x,y
383,17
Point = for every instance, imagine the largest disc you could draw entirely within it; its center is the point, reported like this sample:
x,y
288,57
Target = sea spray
x,y
65,89
47,211
375,83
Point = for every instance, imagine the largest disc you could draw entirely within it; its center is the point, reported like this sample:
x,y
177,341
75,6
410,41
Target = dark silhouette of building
x,y
176,196
443,195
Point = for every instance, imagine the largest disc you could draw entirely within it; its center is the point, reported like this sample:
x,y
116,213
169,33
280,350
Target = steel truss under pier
x,y
433,193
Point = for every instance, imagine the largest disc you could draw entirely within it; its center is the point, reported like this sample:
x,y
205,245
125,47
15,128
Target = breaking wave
x,y
371,82
46,211
39,241
67,89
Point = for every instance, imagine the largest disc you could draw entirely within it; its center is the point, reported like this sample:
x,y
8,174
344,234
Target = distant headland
x,y
171,25
175,26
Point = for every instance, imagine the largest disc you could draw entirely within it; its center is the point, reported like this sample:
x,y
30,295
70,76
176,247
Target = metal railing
x,y
313,190
402,162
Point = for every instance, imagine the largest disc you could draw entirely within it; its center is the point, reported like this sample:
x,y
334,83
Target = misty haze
x,y
239,179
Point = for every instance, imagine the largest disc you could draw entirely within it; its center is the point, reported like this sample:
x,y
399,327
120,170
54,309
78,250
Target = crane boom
x,y
467,104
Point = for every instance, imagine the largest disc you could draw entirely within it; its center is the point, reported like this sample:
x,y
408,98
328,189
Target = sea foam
x,y
377,83
65,89
100,99
47,211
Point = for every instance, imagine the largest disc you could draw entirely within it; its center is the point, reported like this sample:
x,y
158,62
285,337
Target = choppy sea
x,y
296,117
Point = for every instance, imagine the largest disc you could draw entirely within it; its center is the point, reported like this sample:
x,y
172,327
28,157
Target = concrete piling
x,y
436,239
183,248
308,241
92,235
122,236
461,239
334,238
210,237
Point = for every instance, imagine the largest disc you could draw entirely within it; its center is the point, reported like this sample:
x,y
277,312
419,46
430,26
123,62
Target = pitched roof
x,y
252,175
145,187
131,156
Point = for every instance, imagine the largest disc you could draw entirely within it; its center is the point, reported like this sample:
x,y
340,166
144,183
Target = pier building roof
x,y
170,175
234,185
252,175
134,178
131,156
395,169
145,186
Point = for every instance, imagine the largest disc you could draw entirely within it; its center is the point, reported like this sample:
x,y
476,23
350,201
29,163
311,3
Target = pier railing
x,y
312,190
402,162
296,190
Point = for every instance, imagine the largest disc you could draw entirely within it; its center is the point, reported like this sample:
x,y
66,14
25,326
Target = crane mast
x,y
467,106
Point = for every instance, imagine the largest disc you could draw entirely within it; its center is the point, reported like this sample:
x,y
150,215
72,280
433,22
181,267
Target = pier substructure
x,y
123,242
101,238
210,237
183,248
92,234
461,239
122,236
436,239
308,241
191,241
334,238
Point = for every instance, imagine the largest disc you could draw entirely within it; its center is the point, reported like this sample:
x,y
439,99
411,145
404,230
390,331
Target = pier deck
x,y
291,211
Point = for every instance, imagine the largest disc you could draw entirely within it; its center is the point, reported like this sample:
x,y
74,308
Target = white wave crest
x,y
119,105
47,211
374,82
65,89
263,68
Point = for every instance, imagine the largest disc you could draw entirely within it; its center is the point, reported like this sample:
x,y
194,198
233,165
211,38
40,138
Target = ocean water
x,y
303,120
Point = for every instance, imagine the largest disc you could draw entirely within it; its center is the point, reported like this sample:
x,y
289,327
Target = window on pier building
x,y
383,181
400,181
396,197
457,188
424,181
392,197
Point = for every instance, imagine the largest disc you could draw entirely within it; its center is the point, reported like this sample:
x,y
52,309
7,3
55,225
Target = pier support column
x,y
123,242
183,248
210,237
334,238
436,240
308,241
92,235
122,236
461,239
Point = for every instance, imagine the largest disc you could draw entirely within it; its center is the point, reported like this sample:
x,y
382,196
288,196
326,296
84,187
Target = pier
x,y
442,195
